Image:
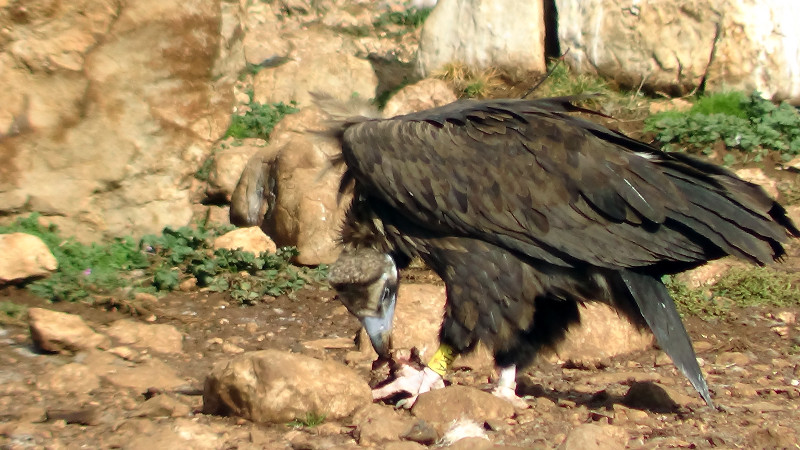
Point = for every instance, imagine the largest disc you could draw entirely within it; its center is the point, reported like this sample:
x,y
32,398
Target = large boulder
x,y
483,34
108,108
675,47
272,386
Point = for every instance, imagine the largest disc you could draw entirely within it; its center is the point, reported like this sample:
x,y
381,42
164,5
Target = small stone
x,y
737,358
596,437
742,390
378,424
70,378
54,331
787,317
124,352
650,396
160,338
442,406
231,349
24,256
188,284
250,239
422,433
163,406
145,297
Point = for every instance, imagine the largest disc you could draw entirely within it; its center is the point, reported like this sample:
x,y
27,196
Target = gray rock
x,y
274,386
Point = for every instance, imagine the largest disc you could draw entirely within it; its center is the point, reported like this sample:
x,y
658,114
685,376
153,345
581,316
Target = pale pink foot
x,y
412,381
507,386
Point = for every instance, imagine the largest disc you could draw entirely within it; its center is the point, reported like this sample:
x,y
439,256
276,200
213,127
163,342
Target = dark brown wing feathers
x,y
536,180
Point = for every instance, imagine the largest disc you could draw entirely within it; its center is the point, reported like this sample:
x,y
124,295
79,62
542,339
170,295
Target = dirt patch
x,y
751,358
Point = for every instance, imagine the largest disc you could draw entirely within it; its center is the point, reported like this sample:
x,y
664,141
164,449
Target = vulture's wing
x,y
529,177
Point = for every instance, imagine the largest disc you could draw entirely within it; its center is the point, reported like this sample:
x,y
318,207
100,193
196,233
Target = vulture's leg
x,y
507,387
416,382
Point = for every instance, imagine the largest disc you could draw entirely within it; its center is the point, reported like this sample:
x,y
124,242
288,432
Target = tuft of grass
x,y
739,287
159,263
749,124
561,81
259,120
312,419
759,286
471,84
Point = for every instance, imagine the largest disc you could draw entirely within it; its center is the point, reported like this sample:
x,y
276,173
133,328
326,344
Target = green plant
x,y
561,81
411,18
750,124
82,268
204,171
160,262
759,286
259,120
740,287
311,420
11,312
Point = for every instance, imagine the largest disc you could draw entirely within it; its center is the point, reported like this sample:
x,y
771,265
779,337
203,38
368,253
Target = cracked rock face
x,y
675,47
108,107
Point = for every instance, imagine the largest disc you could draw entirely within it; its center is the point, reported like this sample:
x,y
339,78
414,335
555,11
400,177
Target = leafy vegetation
x,y
11,312
740,287
411,18
160,263
750,124
259,120
311,420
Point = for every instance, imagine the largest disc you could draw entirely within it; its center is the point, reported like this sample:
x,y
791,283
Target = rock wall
x,y
109,107
679,46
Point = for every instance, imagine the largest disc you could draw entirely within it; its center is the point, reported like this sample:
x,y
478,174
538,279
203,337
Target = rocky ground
x,y
144,391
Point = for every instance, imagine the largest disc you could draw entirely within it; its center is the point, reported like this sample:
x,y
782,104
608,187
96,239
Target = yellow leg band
x,y
442,359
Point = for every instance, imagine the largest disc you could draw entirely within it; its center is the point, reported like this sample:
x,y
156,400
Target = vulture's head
x,y
366,282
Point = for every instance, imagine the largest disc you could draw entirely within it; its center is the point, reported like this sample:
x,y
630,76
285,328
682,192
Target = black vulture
x,y
526,211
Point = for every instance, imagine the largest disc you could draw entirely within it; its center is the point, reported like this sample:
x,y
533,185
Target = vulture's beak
x,y
379,326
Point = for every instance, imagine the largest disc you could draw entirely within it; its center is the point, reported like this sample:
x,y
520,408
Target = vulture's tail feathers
x,y
658,310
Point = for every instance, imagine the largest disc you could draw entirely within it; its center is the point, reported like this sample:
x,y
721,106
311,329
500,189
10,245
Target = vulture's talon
x,y
508,393
412,381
